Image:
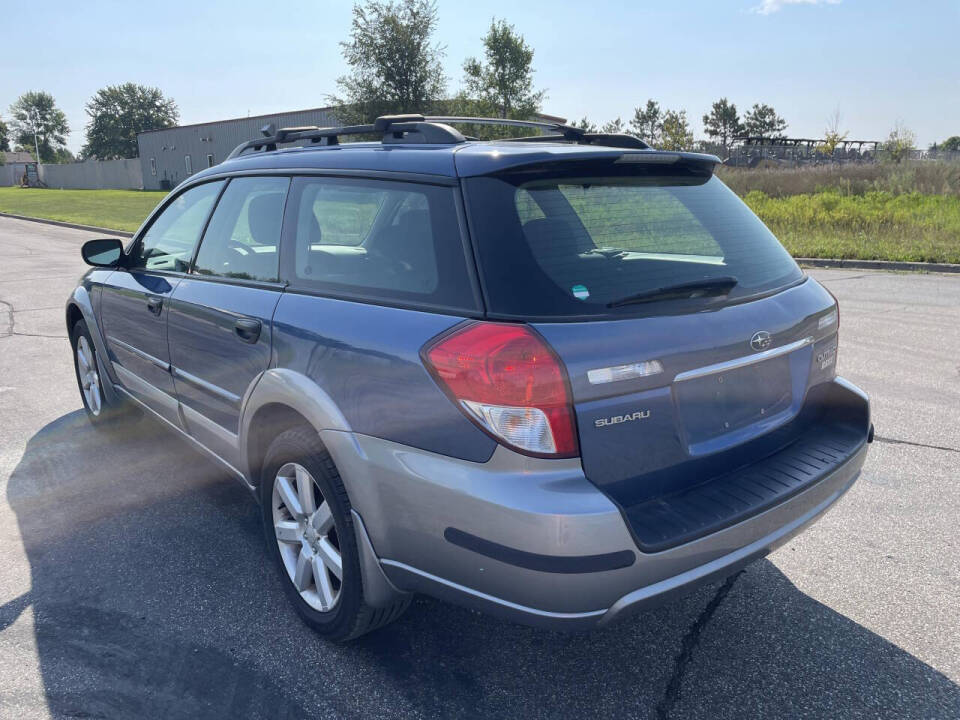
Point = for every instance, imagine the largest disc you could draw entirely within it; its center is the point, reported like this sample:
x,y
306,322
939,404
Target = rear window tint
x,y
377,239
553,245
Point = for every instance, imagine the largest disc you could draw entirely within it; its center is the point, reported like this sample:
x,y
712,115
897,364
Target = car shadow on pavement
x,y
152,596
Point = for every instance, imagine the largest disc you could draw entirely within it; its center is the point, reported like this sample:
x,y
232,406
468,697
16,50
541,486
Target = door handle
x,y
247,329
154,304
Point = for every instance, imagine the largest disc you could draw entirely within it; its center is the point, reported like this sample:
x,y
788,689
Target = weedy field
x,y
114,209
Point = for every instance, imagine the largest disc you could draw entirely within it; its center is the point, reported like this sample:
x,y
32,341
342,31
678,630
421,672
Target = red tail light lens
x,y
511,383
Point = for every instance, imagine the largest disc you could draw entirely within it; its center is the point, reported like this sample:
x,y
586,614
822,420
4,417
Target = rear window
x,y
553,245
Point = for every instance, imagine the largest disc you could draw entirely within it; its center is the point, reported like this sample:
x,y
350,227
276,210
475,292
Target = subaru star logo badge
x,y
760,340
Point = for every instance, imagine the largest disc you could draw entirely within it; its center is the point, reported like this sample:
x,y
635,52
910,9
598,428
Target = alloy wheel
x,y
89,377
307,537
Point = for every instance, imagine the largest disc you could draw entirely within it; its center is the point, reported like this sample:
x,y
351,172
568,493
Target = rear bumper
x,y
534,541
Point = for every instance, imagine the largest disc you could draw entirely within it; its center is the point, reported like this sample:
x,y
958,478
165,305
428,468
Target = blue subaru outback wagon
x,y
556,378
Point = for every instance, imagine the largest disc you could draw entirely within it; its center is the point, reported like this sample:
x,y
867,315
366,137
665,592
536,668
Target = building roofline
x,y
236,119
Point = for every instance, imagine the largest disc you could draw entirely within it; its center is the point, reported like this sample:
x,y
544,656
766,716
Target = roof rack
x,y
567,132
394,128
433,129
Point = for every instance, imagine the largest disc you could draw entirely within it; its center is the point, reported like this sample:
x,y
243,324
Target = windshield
x,y
553,245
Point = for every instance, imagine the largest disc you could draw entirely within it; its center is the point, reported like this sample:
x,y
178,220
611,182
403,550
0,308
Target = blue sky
x,y
878,61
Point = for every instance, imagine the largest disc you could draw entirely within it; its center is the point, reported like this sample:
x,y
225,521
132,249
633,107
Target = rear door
x,y
221,311
135,300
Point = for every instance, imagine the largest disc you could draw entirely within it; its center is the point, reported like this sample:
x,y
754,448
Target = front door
x,y
134,302
221,312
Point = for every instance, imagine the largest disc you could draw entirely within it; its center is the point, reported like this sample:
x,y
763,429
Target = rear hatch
x,y
690,336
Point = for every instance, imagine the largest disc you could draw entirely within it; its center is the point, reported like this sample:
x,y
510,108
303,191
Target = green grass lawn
x,y
114,209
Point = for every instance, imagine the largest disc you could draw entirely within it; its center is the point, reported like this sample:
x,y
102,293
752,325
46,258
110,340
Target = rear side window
x,y
377,239
566,244
169,241
242,240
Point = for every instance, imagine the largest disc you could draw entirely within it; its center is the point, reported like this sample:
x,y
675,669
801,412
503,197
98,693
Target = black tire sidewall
x,y
298,446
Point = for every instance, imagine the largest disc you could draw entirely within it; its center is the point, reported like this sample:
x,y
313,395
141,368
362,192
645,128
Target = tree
x,y
722,123
614,127
763,121
118,112
675,131
951,144
647,123
585,125
832,135
394,63
4,136
504,84
37,121
900,143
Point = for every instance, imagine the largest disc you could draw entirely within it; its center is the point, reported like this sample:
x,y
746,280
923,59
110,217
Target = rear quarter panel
x,y
367,359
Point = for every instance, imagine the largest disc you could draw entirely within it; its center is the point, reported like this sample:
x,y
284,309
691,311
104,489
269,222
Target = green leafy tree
x,y
118,112
647,122
37,121
503,84
614,127
900,143
395,65
585,125
722,124
763,121
4,137
675,131
951,144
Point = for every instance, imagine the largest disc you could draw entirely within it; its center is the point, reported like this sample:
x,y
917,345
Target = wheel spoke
x,y
330,556
288,496
322,580
288,531
323,519
81,358
304,573
305,491
94,398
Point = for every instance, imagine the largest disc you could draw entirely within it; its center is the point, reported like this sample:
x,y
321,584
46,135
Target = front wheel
x,y
310,535
101,412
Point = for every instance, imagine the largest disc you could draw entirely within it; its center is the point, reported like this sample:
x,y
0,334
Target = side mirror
x,y
102,253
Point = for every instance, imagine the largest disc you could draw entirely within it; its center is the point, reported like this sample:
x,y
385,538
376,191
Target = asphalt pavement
x,y
134,580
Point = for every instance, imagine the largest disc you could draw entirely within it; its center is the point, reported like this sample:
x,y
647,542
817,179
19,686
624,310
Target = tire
x,y
102,413
304,544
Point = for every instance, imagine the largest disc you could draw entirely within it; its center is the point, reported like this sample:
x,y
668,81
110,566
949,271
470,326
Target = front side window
x,y
243,238
610,241
169,241
378,239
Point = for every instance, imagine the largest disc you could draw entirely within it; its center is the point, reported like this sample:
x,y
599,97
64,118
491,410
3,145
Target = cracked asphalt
x,y
133,579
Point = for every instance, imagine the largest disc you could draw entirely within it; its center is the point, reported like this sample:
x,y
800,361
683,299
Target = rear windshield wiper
x,y
698,288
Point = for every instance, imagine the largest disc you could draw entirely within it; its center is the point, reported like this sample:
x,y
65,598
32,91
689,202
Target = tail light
x,y
511,383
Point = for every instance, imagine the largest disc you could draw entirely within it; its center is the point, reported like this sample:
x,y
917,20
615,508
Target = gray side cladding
x,y
366,357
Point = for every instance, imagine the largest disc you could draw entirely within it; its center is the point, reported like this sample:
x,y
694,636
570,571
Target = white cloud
x,y
768,7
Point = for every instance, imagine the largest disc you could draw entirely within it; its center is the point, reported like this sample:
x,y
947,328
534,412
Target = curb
x,y
880,265
75,226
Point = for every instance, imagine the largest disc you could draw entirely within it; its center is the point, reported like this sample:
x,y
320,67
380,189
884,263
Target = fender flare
x,y
81,300
296,391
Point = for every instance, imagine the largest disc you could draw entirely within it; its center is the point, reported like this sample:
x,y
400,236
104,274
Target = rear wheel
x,y
101,412
310,535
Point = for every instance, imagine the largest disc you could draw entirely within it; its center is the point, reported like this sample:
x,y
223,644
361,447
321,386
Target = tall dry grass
x,y
927,178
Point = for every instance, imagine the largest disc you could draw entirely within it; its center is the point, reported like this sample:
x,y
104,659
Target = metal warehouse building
x,y
169,156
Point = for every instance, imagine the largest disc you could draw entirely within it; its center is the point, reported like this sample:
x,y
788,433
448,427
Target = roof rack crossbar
x,y
395,128
567,131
